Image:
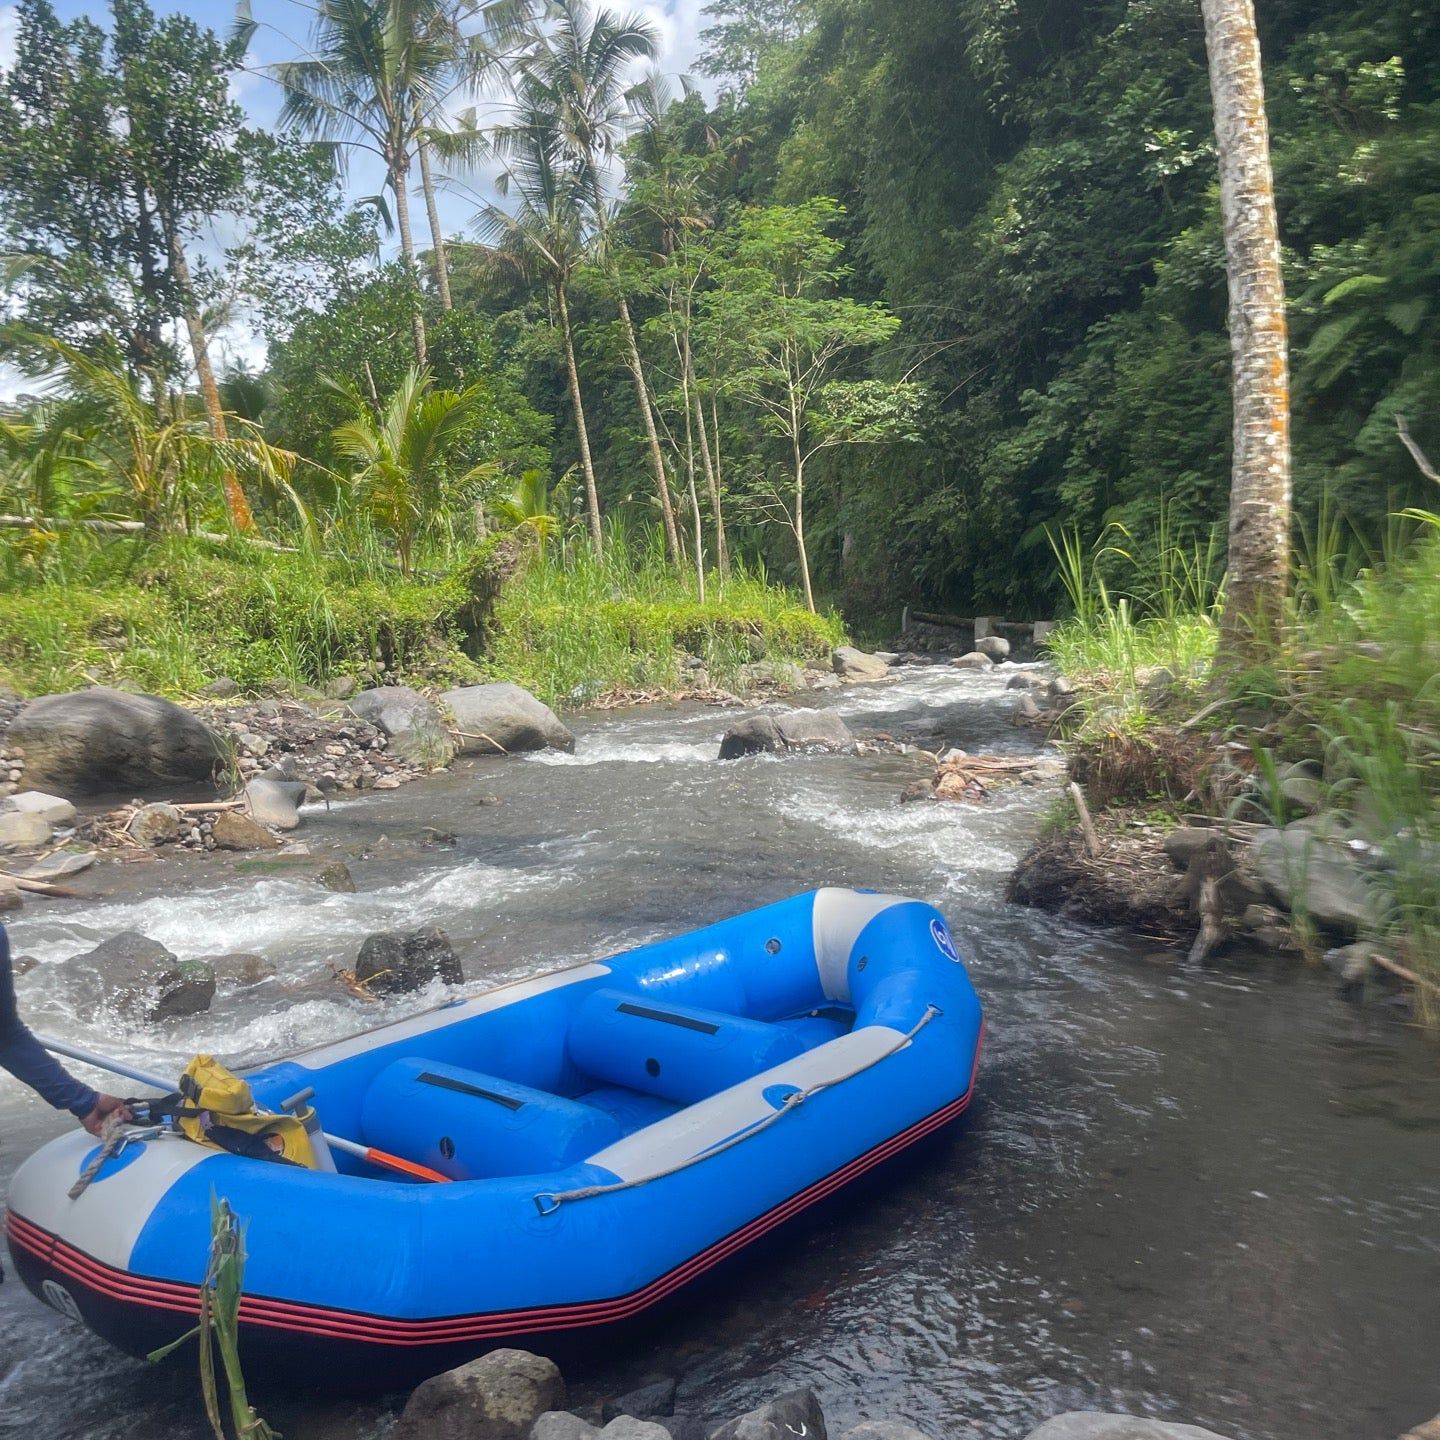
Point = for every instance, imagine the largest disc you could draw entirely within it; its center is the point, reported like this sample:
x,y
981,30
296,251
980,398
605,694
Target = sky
x,y
283,32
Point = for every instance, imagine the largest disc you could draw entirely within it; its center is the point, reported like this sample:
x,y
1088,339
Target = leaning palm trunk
x,y
398,167
235,502
1259,543
582,433
712,479
437,236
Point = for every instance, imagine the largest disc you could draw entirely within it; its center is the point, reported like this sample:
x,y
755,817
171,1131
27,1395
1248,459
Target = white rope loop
x,y
548,1203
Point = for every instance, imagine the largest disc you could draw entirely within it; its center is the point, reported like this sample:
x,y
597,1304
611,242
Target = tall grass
x,y
572,626
1137,610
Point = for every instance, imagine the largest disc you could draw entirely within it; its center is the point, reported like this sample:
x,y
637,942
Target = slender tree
x,y
542,236
577,66
1259,547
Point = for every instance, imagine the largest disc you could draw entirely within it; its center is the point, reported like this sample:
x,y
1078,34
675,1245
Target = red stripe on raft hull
x,y
37,1249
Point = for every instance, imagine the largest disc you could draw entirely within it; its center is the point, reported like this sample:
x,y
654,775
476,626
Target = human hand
x,y
105,1106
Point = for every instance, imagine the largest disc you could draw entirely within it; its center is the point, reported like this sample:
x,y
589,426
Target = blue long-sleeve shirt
x,y
26,1059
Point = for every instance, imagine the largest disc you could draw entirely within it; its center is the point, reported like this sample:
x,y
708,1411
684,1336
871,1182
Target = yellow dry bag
x,y
217,1109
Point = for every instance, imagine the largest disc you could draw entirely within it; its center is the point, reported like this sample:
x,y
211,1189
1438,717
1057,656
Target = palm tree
x,y
542,237
527,507
376,76
160,461
407,456
1259,546
576,68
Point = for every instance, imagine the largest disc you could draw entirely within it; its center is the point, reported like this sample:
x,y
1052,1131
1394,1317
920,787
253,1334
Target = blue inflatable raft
x,y
612,1132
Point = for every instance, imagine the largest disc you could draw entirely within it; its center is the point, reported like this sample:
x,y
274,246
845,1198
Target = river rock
x,y
415,728
562,1425
145,978
754,735
1093,1425
234,831
815,730
336,876
221,688
393,962
796,1413
1430,1430
883,1430
627,1427
497,1397
102,739
1026,711
155,825
276,802
504,718
782,675
1313,877
50,808
1027,680
993,647
10,898
23,832
852,664
339,687
975,660
1184,844
645,1402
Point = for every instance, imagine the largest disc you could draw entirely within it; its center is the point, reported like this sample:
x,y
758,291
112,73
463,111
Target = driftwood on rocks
x,y
970,777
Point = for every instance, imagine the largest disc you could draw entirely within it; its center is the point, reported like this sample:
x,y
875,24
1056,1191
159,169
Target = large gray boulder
x,y
627,1427
975,660
145,980
754,735
497,1397
414,728
1314,878
102,739
393,962
796,1413
644,1402
852,664
1094,1425
50,808
815,730
993,647
503,718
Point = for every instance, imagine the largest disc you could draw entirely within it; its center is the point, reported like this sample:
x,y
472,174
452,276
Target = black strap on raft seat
x,y
688,1022
463,1087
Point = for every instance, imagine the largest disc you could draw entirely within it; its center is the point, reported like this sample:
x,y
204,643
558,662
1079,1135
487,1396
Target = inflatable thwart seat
x,y
609,1132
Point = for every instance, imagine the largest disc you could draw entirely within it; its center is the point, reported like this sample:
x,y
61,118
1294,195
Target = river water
x,y
1204,1195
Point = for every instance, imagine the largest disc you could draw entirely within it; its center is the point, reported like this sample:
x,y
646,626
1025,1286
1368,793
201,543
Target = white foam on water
x,y
610,751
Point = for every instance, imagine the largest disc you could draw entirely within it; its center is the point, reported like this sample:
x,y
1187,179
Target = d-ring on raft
x,y
612,1131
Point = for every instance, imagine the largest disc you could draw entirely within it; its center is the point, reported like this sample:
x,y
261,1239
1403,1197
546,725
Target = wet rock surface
x,y
503,719
396,962
101,739
413,725
498,1397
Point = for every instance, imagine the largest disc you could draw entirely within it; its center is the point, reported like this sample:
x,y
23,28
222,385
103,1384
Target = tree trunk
x,y
437,236
712,480
652,435
407,249
722,542
696,523
235,502
797,523
1259,545
642,390
582,434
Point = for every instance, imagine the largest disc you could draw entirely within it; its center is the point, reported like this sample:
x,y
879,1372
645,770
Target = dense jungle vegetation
x,y
926,287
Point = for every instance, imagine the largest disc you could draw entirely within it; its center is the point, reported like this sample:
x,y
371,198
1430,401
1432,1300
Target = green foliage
x,y
570,627
174,615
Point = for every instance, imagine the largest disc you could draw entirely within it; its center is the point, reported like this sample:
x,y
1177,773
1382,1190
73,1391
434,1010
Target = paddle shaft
x,y
157,1082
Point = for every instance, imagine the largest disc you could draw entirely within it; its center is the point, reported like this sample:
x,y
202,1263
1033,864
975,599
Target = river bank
x,y
1177,1195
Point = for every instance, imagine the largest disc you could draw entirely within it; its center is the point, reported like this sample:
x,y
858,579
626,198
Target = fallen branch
x,y
1087,826
480,735
40,887
1416,453
1404,972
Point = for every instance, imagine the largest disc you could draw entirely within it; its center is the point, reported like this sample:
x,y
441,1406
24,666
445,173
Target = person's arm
x,y
28,1061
